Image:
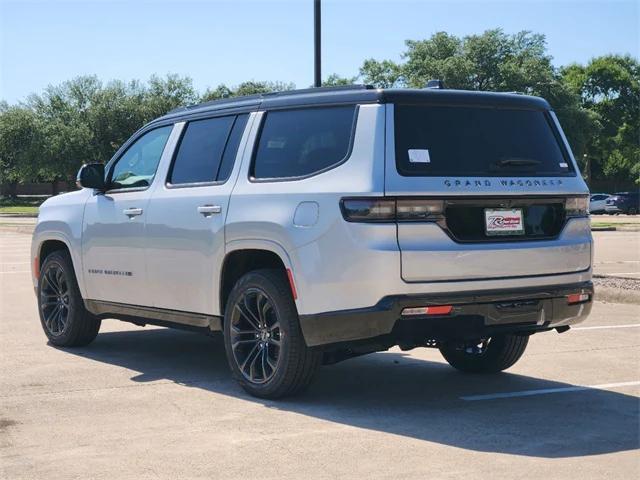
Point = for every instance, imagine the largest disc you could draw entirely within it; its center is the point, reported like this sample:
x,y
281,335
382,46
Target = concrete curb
x,y
18,215
616,295
17,228
617,228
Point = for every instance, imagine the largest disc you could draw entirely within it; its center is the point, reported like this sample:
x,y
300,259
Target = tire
x,y
263,341
500,353
63,316
632,211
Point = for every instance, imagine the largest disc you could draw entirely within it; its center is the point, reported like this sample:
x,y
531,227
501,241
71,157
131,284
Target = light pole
x,y
317,74
587,169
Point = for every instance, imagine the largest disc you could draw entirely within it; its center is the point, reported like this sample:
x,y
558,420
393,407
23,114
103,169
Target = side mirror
x,y
91,175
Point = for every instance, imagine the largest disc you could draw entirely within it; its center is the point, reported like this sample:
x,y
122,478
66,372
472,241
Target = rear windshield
x,y
477,141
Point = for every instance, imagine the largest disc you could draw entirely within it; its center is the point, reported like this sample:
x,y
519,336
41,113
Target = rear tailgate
x,y
503,177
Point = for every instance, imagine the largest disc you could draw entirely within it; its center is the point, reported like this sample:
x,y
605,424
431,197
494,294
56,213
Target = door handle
x,y
132,212
208,210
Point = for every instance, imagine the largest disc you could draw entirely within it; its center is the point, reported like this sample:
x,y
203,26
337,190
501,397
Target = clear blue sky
x,y
47,42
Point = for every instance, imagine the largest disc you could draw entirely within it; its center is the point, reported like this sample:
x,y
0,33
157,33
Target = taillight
x,y
368,210
391,210
576,298
424,210
576,206
432,310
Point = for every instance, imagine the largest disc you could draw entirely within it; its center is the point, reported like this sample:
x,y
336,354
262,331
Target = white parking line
x,y
15,263
604,327
18,271
544,391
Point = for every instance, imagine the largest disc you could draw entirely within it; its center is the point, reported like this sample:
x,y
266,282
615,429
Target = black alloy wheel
x,y
256,336
54,299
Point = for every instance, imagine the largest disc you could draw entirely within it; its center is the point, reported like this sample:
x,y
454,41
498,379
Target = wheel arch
x,y
47,247
52,242
244,256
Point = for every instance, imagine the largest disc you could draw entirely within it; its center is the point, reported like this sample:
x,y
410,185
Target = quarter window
x,y
137,166
296,143
231,150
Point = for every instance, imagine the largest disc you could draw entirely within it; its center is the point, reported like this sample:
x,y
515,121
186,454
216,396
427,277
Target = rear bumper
x,y
475,314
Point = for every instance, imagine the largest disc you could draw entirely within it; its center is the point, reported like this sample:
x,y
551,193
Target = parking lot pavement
x,y
154,403
617,254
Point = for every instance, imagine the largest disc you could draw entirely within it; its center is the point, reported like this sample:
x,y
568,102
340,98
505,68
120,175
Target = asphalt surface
x,y
155,403
617,254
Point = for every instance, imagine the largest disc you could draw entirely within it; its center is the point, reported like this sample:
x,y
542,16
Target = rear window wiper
x,y
517,162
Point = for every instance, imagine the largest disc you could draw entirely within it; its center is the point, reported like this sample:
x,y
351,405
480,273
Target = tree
x,y
440,57
384,74
491,61
165,94
335,80
609,88
83,120
68,140
116,112
245,88
20,145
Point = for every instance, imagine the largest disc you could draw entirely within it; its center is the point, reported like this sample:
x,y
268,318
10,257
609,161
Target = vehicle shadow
x,y
394,393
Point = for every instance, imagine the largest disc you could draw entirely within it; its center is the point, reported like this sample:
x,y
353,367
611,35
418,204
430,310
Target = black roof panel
x,y
359,94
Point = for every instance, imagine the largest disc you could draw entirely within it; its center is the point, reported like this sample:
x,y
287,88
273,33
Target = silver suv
x,y
314,226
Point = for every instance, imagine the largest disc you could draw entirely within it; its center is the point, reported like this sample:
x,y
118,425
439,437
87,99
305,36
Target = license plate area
x,y
503,221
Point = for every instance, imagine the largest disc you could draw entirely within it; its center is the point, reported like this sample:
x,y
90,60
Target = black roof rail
x,y
336,88
260,96
220,101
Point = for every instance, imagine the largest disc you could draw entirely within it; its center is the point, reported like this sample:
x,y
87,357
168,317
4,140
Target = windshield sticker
x,y
419,156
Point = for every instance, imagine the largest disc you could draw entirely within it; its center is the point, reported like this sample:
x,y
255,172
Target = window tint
x,y
137,166
295,143
473,141
200,151
231,150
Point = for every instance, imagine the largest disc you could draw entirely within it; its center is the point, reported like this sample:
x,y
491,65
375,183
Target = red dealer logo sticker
x,y
504,221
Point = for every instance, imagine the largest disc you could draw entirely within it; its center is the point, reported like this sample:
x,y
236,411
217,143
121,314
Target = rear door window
x,y
200,151
477,141
298,143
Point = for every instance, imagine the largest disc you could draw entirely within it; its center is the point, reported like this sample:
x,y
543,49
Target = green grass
x,y
620,225
20,205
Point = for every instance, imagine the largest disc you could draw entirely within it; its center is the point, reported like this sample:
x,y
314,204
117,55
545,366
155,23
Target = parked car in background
x,y
623,202
597,202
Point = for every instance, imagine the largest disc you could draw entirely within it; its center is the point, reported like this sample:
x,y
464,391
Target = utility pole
x,y
587,169
317,74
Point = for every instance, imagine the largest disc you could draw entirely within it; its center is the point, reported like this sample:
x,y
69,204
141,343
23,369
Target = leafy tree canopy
x,y
50,135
